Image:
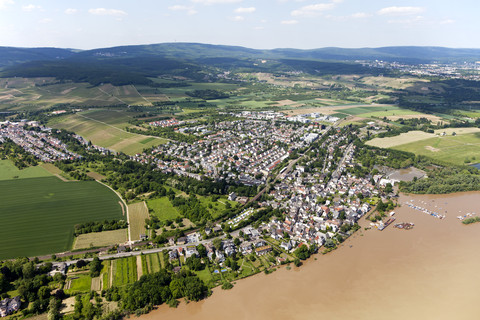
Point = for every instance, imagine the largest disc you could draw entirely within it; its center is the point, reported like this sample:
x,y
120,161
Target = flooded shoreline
x,y
428,272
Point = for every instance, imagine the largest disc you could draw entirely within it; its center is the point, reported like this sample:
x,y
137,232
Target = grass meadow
x,y
163,209
38,214
8,171
100,239
460,149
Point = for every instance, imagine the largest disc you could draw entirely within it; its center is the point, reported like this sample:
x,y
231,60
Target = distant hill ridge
x,y
139,64
196,51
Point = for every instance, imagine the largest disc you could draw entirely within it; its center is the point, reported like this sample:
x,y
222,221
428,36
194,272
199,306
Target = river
x,y
429,272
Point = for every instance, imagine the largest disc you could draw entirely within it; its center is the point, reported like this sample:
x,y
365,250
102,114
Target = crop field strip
x,y
44,224
125,271
137,212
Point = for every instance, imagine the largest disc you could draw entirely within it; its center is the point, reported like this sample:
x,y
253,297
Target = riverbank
x,y
429,272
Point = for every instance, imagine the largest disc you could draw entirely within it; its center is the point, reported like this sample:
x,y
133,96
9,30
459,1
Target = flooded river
x,y
429,272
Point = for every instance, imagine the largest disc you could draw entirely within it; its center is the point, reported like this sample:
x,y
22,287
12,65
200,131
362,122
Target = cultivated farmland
x,y
137,213
106,128
38,214
100,239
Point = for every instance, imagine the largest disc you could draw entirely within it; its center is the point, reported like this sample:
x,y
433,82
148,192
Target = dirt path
x,y
111,274
139,267
123,209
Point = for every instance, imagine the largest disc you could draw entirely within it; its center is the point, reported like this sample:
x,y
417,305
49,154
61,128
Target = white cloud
x,y
45,20
289,22
71,11
237,18
400,11
107,12
5,3
410,21
190,10
313,10
210,2
245,10
360,15
447,21
30,7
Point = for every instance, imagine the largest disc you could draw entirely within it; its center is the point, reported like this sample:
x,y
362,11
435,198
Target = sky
x,y
260,24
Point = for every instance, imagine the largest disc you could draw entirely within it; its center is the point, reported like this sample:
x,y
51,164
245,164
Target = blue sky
x,y
262,24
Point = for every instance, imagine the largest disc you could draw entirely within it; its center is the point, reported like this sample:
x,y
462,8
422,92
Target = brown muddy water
x,y
429,272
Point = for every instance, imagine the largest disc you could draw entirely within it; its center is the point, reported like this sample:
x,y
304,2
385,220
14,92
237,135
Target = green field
x,y
163,209
38,214
8,171
80,283
106,128
453,149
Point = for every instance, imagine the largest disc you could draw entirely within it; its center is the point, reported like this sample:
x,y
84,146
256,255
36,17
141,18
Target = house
x,y
58,268
208,231
181,240
143,237
232,196
172,255
9,306
191,251
263,250
287,246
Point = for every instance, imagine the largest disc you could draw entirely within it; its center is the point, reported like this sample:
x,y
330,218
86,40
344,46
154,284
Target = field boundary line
x,y
114,96
141,96
124,203
119,129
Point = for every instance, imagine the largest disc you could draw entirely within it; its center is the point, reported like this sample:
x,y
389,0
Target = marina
x,y
425,210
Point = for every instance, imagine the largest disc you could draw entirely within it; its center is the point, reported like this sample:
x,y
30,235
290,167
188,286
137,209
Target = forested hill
x,y
199,51
11,55
195,61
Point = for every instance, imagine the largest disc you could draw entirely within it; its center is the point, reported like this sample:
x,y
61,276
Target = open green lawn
x,y
38,214
163,209
80,283
204,275
453,149
217,207
8,171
